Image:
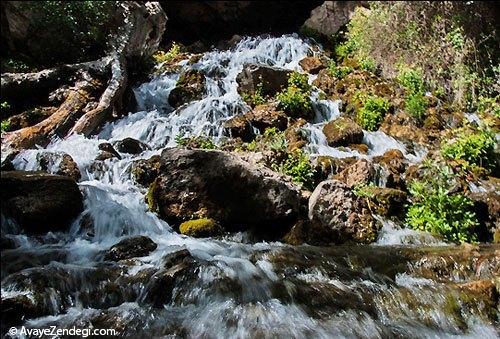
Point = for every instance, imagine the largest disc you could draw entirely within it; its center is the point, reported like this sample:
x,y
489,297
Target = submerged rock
x,y
270,79
342,132
337,215
40,202
221,186
189,87
130,146
137,246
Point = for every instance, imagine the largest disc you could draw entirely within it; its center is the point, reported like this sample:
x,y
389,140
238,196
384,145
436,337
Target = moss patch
x,y
197,228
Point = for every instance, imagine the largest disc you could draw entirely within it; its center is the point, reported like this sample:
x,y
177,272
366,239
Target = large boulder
x,y
271,79
137,246
221,186
40,202
130,146
342,132
189,87
328,18
337,215
261,117
361,172
312,64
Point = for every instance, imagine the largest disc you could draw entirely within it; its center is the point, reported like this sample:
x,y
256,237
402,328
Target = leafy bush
x,y
298,166
5,125
162,56
416,105
294,101
256,98
411,79
474,146
489,105
437,210
338,71
195,142
371,115
368,64
300,81
272,139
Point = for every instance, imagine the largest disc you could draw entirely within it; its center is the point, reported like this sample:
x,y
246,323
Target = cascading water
x,y
241,289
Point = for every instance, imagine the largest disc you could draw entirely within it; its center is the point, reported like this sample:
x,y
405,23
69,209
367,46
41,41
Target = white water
x,y
115,204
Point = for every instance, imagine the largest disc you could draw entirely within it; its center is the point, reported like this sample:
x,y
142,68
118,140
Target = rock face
x,y
272,79
189,87
146,170
221,186
40,202
342,132
328,18
261,117
312,64
361,172
59,163
138,246
130,146
337,215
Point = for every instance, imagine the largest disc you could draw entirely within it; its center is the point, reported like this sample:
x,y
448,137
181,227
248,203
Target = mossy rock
x,y
199,228
342,132
385,201
189,87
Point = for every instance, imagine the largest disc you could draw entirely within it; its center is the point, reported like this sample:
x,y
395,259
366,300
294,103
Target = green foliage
x,y
272,139
298,166
257,98
411,79
489,105
294,101
364,190
162,56
195,142
476,147
5,125
299,80
436,209
16,66
338,72
416,105
371,115
73,29
368,64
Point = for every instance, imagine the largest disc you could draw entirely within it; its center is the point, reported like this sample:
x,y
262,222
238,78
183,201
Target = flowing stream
x,y
238,289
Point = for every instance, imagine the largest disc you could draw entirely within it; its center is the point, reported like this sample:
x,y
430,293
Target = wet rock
x,y
359,173
385,201
312,65
361,148
342,132
40,202
59,163
146,170
189,87
261,117
130,146
337,215
394,162
487,208
221,186
326,166
108,150
177,267
295,137
271,79
17,308
7,243
200,228
328,18
486,289
137,246
325,82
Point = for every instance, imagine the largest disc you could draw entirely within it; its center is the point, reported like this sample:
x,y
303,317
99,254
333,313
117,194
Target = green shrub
x,y
162,56
368,64
416,105
336,71
435,209
300,81
195,142
474,146
271,140
294,101
5,125
256,98
411,79
489,105
371,115
298,166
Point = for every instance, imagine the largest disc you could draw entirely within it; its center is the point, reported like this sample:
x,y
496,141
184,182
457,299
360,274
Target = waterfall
x,y
240,289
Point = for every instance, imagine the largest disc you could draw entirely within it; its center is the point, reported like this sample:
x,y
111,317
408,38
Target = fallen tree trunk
x,y
138,37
